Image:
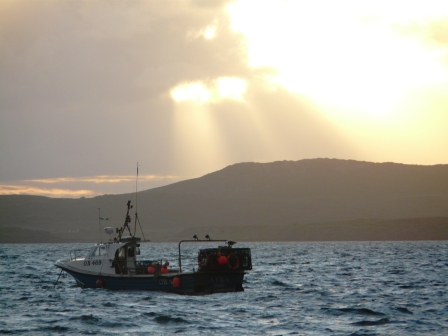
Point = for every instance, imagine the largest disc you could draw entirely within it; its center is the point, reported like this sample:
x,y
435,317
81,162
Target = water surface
x,y
340,288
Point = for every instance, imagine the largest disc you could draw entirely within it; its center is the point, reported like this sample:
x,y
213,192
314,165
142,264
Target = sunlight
x,y
191,91
197,134
219,89
232,88
344,56
210,32
101,179
49,192
65,186
197,138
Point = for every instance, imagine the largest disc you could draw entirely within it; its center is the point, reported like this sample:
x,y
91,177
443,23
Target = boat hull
x,y
187,283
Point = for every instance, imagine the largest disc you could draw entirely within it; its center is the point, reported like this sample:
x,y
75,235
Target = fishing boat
x,y
115,265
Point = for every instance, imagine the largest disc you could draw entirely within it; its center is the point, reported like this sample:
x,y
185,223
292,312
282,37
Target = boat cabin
x,y
125,255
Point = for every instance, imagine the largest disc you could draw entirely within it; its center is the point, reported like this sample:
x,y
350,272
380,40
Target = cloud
x,y
84,84
433,32
102,179
88,88
68,51
216,91
51,192
84,186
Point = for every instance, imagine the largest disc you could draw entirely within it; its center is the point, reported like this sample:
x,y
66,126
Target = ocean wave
x,y
339,288
372,323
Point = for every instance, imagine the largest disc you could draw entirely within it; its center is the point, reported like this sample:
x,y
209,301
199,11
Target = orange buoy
x,y
222,260
164,270
176,282
151,270
99,283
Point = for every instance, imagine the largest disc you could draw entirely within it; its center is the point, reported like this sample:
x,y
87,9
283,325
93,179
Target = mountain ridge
x,y
267,196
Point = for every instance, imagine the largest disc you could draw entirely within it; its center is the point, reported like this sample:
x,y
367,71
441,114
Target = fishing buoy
x,y
151,270
99,283
164,270
176,282
222,260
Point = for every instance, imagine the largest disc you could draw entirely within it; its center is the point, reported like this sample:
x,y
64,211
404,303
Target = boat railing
x,y
79,253
143,263
141,267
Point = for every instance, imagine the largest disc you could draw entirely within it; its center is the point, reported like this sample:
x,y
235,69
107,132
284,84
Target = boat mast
x,y
136,206
136,201
99,224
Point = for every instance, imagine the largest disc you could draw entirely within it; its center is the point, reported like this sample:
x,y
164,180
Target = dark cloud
x,y
71,51
78,77
84,89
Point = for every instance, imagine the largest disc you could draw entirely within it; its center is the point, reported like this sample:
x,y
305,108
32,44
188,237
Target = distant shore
x,y
305,200
408,229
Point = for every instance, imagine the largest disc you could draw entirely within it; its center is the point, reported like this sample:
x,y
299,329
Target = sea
x,y
294,288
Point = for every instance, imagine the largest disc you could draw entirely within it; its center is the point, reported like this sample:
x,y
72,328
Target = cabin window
x,y
121,253
103,250
131,251
95,252
98,251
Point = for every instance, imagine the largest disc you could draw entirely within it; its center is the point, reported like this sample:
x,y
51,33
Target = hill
x,y
316,199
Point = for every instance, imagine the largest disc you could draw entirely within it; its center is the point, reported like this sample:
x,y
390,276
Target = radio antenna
x,y
136,201
99,223
136,208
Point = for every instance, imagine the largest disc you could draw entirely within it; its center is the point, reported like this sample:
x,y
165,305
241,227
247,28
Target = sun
x,y
345,56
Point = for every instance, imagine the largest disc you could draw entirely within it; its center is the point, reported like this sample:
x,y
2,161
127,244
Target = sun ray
x,y
197,138
216,91
345,56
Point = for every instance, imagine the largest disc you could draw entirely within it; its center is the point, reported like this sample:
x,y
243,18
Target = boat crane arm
x,y
126,223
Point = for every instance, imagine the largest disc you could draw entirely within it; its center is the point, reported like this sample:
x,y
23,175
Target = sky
x,y
89,89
